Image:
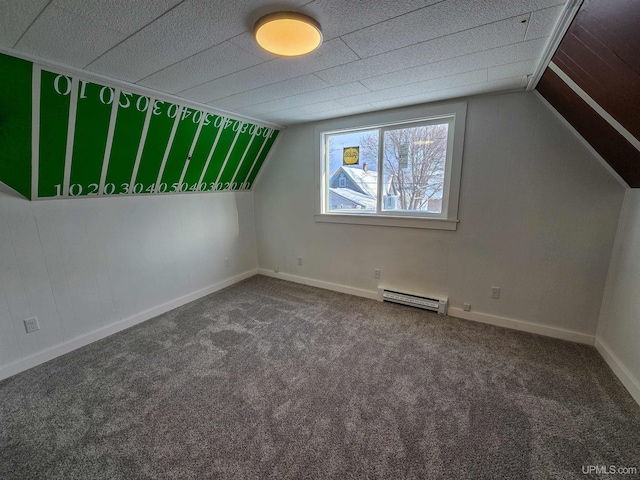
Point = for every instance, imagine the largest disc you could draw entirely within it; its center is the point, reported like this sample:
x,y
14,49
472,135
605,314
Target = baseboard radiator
x,y
439,305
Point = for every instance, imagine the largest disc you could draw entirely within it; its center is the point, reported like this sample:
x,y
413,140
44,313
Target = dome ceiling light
x,y
288,34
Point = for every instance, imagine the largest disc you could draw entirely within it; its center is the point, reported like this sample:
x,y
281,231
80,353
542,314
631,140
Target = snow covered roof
x,y
366,201
366,181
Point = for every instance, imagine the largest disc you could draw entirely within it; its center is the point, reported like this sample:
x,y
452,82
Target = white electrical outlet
x,y
299,260
466,307
276,269
31,324
376,273
226,262
495,292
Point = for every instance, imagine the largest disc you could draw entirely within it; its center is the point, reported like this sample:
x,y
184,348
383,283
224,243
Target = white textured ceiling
x,y
376,54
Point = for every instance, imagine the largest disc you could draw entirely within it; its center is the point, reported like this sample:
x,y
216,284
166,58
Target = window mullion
x,y
380,172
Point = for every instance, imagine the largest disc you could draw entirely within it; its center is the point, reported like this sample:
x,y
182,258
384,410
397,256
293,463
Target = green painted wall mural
x,y
64,136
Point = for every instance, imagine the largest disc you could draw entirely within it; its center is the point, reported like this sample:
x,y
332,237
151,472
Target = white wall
x,y
538,216
81,265
619,328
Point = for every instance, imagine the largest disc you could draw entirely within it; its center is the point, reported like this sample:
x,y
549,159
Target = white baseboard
x,y
631,383
336,287
454,312
73,344
523,326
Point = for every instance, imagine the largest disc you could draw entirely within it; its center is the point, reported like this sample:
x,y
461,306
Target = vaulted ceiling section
x,y
593,80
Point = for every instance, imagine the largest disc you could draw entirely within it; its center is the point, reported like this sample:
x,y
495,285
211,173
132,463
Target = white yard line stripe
x,y
244,155
35,129
71,131
592,103
224,164
168,149
143,139
193,147
256,160
107,150
223,121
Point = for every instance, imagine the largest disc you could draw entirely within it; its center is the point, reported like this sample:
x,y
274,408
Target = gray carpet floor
x,y
270,379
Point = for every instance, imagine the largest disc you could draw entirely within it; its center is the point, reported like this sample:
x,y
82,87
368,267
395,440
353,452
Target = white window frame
x,y
455,113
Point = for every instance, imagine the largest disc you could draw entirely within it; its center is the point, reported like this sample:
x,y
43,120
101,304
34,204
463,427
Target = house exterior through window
x,y
405,169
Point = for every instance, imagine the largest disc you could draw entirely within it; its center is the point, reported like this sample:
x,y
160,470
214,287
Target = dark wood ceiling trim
x,y
601,54
593,104
623,157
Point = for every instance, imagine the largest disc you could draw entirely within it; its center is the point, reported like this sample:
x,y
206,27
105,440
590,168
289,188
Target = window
x,y
342,180
398,173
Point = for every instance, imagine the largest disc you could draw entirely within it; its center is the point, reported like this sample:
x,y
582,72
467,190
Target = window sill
x,y
389,221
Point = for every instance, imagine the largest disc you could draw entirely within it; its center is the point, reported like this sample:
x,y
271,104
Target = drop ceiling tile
x,y
526,67
290,118
334,52
438,20
450,93
477,39
295,86
303,110
121,15
464,63
338,17
326,94
215,62
247,42
450,81
543,21
508,84
64,37
189,28
15,18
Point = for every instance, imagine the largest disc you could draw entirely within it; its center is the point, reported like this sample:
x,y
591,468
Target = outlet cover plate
x,y
31,324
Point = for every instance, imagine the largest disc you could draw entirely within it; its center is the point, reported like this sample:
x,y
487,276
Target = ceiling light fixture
x,y
288,34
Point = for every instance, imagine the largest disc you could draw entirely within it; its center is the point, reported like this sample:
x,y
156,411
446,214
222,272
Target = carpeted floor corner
x,y
270,379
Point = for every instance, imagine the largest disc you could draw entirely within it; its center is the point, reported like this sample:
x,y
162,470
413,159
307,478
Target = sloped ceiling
x,y
377,53
593,80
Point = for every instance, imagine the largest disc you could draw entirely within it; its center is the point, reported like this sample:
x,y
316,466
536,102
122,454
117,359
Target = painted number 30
x,y
63,86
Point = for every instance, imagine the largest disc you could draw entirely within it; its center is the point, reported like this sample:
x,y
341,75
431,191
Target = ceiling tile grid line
x,y
215,62
471,78
474,76
325,94
311,61
442,19
332,91
186,29
67,38
347,64
31,22
410,12
508,84
319,73
333,53
469,41
294,86
186,59
107,12
501,54
404,76
277,105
